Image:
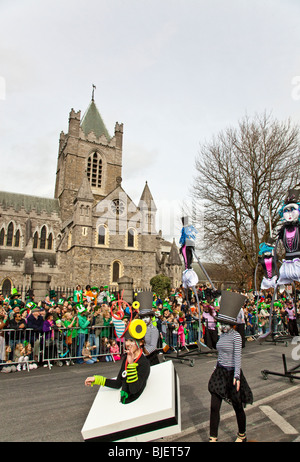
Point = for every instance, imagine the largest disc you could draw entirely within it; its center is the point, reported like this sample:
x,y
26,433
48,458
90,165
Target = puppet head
x,y
290,211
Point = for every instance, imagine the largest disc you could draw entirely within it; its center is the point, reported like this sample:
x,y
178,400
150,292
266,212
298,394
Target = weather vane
x,y
94,87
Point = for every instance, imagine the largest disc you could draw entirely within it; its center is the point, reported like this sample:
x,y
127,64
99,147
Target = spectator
x,y
83,323
86,353
35,321
94,333
114,350
210,326
291,314
71,322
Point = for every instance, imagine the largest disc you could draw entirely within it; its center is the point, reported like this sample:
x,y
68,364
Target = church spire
x,y
92,120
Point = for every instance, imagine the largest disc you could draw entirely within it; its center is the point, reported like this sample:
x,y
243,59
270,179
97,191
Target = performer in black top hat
x,y
135,368
227,381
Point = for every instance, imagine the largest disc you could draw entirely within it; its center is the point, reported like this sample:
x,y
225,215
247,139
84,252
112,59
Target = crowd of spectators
x,y
80,328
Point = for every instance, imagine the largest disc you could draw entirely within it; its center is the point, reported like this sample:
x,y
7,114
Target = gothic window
x,y
43,237
130,238
50,241
6,287
35,240
17,238
10,234
2,235
101,235
94,170
115,271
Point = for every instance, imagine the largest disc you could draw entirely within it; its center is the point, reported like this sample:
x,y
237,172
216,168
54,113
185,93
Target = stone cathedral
x,y
91,232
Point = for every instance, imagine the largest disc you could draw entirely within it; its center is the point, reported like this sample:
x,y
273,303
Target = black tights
x,y
215,406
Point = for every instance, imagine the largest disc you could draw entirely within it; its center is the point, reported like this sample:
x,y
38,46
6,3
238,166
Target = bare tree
x,y
243,174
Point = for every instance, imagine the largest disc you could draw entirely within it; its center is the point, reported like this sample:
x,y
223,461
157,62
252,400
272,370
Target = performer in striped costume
x,y
135,367
227,381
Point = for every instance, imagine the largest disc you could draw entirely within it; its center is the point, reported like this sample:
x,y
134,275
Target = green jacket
x,y
83,323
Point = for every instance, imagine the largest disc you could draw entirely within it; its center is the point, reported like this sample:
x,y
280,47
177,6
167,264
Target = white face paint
x,y
225,328
291,212
147,319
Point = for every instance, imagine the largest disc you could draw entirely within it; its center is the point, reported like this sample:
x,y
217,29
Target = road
x,y
45,405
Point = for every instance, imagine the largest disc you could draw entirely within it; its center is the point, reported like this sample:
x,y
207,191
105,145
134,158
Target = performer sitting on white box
x,y
135,368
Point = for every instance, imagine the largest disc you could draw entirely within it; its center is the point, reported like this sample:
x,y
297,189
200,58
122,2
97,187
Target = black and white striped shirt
x,y
229,349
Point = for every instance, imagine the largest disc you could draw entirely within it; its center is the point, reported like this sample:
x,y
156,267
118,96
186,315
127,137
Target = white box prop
x,y
155,414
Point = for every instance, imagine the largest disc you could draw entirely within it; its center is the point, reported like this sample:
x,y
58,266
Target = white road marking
x,y
278,420
230,414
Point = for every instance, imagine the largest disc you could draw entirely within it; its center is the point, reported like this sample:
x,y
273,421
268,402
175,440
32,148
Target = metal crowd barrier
x,y
58,347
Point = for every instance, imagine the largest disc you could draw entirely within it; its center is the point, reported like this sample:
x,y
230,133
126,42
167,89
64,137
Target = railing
x,y
24,349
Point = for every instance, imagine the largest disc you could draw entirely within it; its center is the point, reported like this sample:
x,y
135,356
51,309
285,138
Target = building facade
x,y
91,232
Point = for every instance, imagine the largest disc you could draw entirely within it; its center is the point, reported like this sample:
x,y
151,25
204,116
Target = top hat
x,y
145,299
230,305
292,197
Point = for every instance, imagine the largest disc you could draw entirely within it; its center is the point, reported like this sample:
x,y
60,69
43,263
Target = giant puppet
x,y
289,235
266,259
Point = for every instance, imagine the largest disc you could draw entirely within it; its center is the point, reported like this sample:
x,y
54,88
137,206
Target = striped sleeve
x,y
237,355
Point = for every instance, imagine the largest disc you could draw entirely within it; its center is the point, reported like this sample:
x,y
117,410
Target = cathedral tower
x,y
87,150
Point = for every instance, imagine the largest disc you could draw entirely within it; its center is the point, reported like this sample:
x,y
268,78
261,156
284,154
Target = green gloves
x,y
99,380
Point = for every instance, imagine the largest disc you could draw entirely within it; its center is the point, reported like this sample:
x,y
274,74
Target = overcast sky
x,y
174,72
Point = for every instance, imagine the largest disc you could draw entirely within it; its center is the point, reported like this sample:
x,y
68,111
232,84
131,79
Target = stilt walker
x,y
190,278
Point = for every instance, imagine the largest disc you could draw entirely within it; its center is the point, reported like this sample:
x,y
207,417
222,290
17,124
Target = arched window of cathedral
x,y
17,238
2,235
10,234
102,235
115,271
94,170
6,287
131,237
43,237
50,241
35,240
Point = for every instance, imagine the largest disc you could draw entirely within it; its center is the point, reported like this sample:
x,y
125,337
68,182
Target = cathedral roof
x,y
174,258
92,122
85,192
147,199
39,204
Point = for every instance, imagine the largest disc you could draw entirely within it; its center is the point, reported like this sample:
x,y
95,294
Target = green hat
x,y
61,301
168,308
80,308
15,303
15,293
30,305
